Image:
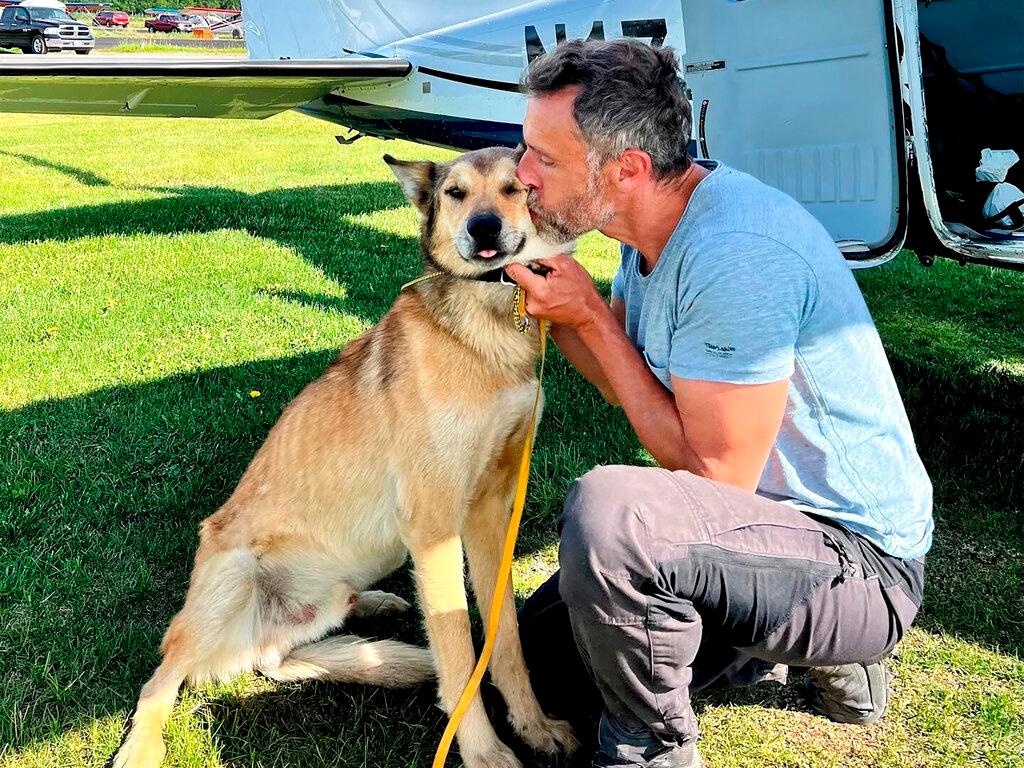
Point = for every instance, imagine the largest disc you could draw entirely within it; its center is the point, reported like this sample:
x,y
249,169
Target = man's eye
x,y
546,161
455,192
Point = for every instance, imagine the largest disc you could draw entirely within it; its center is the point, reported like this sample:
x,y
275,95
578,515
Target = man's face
x,y
567,197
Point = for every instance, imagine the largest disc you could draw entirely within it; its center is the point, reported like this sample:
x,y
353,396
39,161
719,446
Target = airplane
x,y
824,99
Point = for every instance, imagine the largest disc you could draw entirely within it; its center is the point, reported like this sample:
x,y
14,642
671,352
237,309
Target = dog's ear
x,y
417,178
518,153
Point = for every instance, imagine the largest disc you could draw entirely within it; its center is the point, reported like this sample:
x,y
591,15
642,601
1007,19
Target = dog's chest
x,y
468,437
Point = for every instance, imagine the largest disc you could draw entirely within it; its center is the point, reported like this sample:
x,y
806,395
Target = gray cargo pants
x,y
657,565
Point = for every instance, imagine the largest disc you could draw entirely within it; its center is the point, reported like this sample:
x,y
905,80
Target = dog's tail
x,y
350,659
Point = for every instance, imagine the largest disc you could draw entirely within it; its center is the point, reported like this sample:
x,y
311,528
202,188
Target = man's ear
x,y
417,178
635,165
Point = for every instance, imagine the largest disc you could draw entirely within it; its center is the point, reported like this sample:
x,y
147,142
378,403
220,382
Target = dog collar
x,y
490,276
494,276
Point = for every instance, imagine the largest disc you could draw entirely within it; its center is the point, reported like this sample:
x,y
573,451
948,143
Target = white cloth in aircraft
x,y
995,163
1003,195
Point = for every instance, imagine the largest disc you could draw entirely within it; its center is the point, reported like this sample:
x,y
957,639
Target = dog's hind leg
x,y
212,636
349,659
305,601
373,604
143,747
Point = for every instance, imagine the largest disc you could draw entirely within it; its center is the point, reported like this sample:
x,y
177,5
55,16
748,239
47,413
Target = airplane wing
x,y
192,87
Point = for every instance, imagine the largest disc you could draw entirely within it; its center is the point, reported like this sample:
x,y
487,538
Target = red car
x,y
168,22
111,19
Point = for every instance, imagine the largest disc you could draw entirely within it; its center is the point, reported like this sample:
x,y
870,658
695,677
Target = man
x,y
790,515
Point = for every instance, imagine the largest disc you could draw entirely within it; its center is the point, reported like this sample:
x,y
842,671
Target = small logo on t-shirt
x,y
718,351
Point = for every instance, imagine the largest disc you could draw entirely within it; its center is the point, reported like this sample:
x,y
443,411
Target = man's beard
x,y
577,216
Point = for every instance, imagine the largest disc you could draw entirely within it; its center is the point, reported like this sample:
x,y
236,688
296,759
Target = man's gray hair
x,y
630,95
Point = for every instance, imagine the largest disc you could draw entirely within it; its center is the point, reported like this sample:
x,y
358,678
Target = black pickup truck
x,y
38,30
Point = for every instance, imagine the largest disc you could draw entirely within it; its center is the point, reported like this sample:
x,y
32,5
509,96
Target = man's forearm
x,y
576,352
649,406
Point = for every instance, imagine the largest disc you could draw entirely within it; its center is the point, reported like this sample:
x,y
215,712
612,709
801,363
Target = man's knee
x,y
602,536
613,509
594,512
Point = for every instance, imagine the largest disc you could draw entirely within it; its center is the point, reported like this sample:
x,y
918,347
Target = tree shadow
x,y
316,222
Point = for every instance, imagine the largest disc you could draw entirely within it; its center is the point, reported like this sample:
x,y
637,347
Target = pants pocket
x,y
673,639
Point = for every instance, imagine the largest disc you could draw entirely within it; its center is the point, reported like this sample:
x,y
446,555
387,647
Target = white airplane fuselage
x,y
464,89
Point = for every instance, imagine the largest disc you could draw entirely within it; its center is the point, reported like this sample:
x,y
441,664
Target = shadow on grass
x,y
88,178
311,220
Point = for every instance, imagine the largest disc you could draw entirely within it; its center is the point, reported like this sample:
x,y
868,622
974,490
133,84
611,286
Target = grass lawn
x,y
155,273
170,48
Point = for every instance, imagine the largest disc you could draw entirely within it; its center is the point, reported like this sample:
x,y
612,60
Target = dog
x,y
408,444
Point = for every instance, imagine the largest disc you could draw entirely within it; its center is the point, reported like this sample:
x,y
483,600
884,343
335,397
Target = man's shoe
x,y
851,693
620,748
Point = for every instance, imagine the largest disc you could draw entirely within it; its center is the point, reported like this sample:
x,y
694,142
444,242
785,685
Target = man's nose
x,y
524,174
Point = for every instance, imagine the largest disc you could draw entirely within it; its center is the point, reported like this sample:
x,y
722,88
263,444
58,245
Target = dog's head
x,y
473,211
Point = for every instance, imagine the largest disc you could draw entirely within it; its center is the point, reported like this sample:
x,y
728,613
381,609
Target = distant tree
x,y
138,6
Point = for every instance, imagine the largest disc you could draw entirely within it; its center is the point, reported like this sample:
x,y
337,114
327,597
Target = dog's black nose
x,y
484,228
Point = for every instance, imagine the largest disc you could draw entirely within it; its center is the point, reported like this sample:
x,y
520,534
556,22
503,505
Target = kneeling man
x,y
789,516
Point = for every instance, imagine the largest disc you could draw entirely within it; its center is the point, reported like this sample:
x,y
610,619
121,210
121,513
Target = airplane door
x,y
800,93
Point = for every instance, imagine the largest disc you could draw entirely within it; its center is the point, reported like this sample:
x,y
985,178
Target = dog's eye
x,y
512,189
455,193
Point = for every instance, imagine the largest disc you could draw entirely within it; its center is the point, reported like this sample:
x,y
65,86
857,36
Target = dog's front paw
x,y
374,603
548,735
140,750
499,756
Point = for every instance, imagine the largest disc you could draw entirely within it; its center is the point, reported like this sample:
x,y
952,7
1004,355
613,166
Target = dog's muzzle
x,y
486,239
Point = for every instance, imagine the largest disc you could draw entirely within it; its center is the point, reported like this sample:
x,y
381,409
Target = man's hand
x,y
564,296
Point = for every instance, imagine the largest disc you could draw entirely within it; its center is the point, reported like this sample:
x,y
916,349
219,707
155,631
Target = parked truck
x,y
168,22
41,29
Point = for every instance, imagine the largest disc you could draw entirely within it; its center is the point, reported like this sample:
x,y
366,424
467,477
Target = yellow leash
x,y
505,567
420,279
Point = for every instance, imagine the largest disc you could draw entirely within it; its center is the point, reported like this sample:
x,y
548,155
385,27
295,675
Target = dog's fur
x,y
409,443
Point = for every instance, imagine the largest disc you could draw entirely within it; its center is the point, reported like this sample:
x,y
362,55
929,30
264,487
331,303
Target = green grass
x,y
159,48
154,273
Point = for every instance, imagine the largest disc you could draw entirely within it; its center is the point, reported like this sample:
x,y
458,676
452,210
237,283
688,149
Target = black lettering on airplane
x,y
654,29
596,32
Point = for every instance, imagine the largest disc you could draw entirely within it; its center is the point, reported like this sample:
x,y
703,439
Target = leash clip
x,y
519,316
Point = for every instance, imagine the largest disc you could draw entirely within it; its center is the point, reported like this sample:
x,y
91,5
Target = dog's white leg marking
x,y
437,557
485,537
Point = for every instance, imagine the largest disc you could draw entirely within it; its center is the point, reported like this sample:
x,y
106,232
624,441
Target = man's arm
x,y
583,360
718,430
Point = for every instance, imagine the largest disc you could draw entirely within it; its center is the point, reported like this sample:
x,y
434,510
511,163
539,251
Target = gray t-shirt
x,y
750,289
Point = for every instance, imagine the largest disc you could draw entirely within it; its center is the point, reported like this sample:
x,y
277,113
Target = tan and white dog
x,y
409,443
